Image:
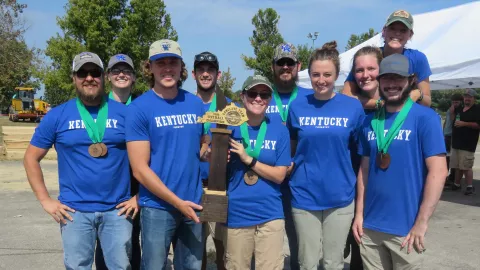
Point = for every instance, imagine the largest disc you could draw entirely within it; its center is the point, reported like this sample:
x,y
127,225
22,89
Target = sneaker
x,y
470,191
455,187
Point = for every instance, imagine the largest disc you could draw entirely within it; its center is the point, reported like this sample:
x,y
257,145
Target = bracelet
x,y
421,96
378,104
254,161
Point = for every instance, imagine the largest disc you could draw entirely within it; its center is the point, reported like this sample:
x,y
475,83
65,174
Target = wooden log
x,y
215,206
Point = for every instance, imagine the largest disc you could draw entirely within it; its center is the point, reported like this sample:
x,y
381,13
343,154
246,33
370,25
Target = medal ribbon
x,y
378,125
284,113
259,142
95,130
212,108
129,100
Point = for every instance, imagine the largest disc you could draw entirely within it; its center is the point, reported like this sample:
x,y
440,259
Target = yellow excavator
x,y
25,106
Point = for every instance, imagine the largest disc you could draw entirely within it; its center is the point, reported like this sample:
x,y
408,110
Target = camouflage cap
x,y
86,57
401,16
253,81
285,50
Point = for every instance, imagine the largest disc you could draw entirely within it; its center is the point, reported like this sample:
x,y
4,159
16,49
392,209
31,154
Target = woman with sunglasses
x,y
398,30
322,125
260,155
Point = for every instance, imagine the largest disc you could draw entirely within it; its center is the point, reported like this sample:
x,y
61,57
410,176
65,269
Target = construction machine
x,y
25,106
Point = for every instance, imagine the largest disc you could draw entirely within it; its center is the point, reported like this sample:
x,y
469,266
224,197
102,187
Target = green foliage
x,y
105,27
304,52
18,63
441,100
226,83
358,39
264,40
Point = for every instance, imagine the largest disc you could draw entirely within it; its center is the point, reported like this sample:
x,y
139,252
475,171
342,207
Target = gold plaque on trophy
x,y
231,115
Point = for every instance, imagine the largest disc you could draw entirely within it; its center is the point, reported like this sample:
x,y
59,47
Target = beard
x,y
285,84
91,98
405,94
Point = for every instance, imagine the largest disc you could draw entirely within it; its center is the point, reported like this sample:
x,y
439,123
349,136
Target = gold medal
x,y
250,177
95,150
383,160
104,149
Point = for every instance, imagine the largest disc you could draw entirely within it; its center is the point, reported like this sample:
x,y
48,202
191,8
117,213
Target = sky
x,y
223,27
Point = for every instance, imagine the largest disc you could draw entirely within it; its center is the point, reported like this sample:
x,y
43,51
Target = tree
x,y
264,40
304,52
226,83
355,40
105,27
17,62
441,100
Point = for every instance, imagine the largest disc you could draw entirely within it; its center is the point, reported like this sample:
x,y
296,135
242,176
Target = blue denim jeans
x,y
159,229
79,236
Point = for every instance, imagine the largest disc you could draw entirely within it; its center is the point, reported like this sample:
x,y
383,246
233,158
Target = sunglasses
x,y
205,57
285,61
263,95
117,71
82,73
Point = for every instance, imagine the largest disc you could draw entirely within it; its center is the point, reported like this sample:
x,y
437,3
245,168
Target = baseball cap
x,y
206,57
285,50
253,81
120,58
470,92
86,57
401,16
394,64
164,48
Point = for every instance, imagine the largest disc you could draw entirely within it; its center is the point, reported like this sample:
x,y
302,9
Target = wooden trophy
x,y
214,199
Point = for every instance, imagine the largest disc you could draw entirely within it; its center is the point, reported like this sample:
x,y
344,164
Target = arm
x,y
31,162
362,180
139,156
423,87
437,173
351,89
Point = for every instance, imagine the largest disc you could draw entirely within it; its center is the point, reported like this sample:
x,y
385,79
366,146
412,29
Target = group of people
x,y
318,165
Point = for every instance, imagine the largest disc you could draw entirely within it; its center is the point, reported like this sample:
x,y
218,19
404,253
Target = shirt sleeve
x,y
350,77
422,67
283,148
46,133
137,126
363,144
431,137
360,117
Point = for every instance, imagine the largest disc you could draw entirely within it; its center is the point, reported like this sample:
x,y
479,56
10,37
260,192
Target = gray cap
x,y
253,81
285,50
394,64
86,57
120,58
470,92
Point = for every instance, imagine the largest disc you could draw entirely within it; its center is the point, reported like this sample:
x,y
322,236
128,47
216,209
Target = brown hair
x,y
148,75
327,52
368,50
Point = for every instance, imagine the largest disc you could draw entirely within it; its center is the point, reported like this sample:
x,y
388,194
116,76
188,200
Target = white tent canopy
x,y
450,39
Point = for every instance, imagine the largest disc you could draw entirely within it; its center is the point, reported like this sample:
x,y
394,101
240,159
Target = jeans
x,y
159,228
79,236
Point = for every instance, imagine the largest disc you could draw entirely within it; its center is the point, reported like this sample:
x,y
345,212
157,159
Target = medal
x,y
278,101
95,150
250,178
384,141
104,149
383,160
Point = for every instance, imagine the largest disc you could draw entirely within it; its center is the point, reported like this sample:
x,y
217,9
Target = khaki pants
x,y
265,240
382,251
322,232
216,230
461,159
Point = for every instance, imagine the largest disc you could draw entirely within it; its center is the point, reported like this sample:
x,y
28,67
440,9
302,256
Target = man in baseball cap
x,y
404,165
164,48
93,168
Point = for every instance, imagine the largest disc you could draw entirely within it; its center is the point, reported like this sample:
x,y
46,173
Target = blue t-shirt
x,y
323,177
393,196
204,165
87,184
418,64
272,110
173,132
261,202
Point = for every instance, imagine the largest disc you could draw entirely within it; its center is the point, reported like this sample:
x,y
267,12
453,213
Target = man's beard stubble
x,y
405,94
91,98
290,84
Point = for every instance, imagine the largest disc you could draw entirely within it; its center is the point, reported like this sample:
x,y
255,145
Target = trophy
x,y
214,198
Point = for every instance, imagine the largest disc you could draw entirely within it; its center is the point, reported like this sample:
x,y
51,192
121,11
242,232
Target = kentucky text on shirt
x,y
268,145
274,109
77,124
176,120
323,121
401,134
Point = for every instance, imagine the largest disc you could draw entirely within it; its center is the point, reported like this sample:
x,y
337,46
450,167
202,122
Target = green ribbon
x,y
212,108
284,113
255,153
129,100
378,125
95,130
